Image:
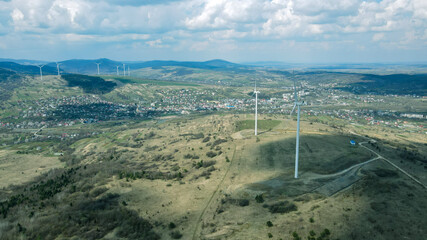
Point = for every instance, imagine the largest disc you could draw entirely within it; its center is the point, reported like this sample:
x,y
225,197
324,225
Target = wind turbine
x,y
117,70
297,104
57,67
97,64
124,70
128,70
41,73
256,108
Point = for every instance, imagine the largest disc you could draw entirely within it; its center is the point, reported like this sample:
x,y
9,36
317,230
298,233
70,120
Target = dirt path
x,y
199,220
388,161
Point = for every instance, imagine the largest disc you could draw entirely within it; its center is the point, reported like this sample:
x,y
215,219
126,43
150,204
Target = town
x,y
322,100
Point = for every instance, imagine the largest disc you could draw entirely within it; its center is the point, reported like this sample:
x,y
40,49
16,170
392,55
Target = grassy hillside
x,y
9,80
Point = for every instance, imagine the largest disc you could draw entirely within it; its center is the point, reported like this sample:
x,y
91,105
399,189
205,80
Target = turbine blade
x,y
293,109
295,92
255,85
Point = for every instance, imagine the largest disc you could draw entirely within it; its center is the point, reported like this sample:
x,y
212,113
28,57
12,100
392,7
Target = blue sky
x,y
295,31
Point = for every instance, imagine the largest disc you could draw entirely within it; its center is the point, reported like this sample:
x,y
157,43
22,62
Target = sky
x,y
293,31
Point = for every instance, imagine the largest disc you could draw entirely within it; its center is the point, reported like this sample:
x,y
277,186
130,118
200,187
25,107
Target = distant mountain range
x,y
107,66
27,69
23,61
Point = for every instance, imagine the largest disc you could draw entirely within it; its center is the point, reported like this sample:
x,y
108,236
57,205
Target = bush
x,y
296,236
211,154
325,233
243,202
218,141
269,224
259,198
176,235
282,207
172,225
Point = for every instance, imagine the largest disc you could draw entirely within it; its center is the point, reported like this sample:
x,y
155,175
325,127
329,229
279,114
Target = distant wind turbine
x,y
128,70
97,65
117,70
57,67
41,72
124,70
256,109
297,104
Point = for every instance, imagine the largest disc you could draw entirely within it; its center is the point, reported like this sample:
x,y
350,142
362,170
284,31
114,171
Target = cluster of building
x,y
67,111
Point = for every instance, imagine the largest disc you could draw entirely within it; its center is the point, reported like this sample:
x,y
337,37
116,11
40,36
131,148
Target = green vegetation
x,y
281,207
176,234
400,84
9,81
259,198
262,124
130,80
89,84
86,216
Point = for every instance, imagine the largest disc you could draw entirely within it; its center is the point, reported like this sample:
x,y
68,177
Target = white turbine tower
x,y
97,65
41,72
124,70
256,109
117,70
297,104
57,67
128,70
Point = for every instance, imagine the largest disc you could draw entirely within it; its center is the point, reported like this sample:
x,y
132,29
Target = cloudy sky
x,y
297,31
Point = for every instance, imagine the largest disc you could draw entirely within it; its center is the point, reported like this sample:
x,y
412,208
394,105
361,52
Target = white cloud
x,y
210,23
17,15
377,37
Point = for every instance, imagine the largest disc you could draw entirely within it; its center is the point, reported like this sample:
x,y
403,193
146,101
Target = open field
x,y
17,169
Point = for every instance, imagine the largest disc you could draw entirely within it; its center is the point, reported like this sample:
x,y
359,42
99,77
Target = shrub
x,y
325,233
211,154
176,235
269,224
218,141
282,207
296,236
259,198
172,225
243,202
